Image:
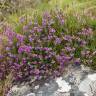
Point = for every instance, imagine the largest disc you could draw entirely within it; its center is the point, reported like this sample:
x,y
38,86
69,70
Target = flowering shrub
x,y
44,48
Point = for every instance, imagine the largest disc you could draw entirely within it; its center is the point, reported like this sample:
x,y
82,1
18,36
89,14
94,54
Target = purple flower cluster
x,y
44,49
86,32
60,17
58,41
24,48
9,33
20,38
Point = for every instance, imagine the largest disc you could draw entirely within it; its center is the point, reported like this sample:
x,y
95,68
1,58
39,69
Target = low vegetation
x,y
40,41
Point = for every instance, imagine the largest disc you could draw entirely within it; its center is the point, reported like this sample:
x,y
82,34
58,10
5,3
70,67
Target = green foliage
x,y
78,14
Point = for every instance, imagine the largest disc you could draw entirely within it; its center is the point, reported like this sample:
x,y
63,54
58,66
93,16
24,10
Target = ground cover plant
x,y
44,47
39,45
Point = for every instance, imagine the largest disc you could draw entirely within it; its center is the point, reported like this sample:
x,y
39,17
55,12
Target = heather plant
x,y
44,47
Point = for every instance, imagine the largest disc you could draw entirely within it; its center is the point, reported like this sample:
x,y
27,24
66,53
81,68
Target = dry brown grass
x,y
5,85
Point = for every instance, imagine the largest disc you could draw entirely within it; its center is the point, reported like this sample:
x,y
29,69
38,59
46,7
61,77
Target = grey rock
x,y
73,80
31,94
88,85
19,91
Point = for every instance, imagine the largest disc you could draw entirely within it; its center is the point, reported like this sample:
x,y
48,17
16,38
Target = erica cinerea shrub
x,y
43,49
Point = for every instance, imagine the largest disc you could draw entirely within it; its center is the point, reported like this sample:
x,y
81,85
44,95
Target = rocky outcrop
x,y
76,82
